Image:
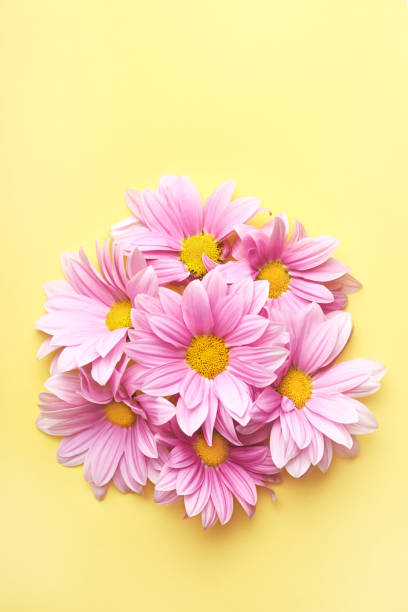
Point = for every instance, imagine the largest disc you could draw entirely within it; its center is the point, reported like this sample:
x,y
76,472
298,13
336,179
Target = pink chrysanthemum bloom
x,y
208,345
299,270
209,477
174,231
105,429
311,408
89,314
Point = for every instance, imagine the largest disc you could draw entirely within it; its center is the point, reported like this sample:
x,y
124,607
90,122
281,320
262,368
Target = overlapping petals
x,y
84,414
303,436
210,490
164,329
162,219
313,274
77,309
202,353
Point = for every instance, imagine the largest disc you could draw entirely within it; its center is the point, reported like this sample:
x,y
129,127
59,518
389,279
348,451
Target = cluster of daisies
x,y
199,353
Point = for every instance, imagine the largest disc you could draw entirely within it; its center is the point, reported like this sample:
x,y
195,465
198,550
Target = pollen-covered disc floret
x,y
119,315
277,276
212,455
193,249
207,355
120,414
297,386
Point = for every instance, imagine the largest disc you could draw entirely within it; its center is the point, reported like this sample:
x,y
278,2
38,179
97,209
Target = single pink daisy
x,y
89,314
299,270
174,231
104,428
311,408
209,346
209,477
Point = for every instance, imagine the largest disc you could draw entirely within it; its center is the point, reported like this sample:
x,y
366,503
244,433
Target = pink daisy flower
x,y
312,409
209,346
299,270
174,231
209,477
105,429
89,314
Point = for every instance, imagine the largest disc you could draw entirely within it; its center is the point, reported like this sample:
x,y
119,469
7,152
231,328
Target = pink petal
x,y
299,465
170,330
233,393
194,389
104,454
282,448
309,252
195,502
220,496
185,198
250,329
215,206
335,431
366,420
169,269
341,377
327,271
238,481
158,409
311,292
66,387
145,439
209,515
338,408
189,479
196,309
299,428
166,379
190,419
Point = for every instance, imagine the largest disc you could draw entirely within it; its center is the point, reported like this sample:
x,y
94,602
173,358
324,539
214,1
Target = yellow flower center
x,y
119,315
212,455
120,414
297,386
207,355
193,249
277,276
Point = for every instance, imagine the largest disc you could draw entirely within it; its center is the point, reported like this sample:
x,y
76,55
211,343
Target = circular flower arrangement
x,y
200,355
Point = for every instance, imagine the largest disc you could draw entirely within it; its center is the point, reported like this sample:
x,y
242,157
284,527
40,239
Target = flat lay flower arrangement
x,y
200,354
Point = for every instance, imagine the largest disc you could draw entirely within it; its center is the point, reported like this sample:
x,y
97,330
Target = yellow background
x,y
304,103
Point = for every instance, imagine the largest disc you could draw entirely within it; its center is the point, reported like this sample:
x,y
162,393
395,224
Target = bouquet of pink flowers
x,y
200,354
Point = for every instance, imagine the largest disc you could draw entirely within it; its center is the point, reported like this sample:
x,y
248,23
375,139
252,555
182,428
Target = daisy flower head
x,y
175,232
209,477
88,315
312,408
104,428
299,269
209,345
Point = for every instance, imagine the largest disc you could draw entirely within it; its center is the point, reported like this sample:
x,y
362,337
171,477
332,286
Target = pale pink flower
x,y
312,409
208,345
208,478
174,231
299,270
105,429
89,314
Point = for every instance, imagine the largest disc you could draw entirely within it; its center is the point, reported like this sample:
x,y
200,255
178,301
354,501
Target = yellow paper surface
x,y
305,104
